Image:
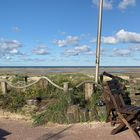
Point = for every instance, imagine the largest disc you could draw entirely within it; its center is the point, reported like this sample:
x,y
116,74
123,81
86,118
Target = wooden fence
x,y
89,86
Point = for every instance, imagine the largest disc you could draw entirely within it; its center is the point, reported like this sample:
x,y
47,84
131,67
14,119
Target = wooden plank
x,y
129,126
4,87
89,88
115,91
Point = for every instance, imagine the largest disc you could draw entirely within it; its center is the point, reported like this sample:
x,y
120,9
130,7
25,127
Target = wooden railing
x,y
89,86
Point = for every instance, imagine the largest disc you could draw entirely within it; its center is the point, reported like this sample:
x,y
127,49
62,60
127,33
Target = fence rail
x,y
88,85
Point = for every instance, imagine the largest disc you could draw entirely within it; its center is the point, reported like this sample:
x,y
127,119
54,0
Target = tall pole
x,y
98,40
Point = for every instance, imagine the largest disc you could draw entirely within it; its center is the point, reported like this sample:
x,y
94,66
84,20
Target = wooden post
x,y
66,86
4,87
26,79
101,78
88,90
43,83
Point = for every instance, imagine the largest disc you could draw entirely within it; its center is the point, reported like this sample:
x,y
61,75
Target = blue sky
x,y
63,33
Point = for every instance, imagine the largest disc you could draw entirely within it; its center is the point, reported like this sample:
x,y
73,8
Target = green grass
x,y
13,101
55,100
55,112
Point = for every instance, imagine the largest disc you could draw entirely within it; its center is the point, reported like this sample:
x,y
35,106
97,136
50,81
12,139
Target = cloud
x,y
91,53
109,40
69,41
33,60
62,33
128,37
126,3
16,29
135,47
77,50
122,52
10,47
107,4
122,36
41,50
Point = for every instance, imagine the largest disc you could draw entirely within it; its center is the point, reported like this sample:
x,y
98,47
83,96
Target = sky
x,y
63,33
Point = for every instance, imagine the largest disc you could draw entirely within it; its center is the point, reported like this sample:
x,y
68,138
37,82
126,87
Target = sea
x,y
71,69
68,66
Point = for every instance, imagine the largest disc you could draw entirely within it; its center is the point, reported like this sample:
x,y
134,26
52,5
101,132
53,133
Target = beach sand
x,y
21,130
135,72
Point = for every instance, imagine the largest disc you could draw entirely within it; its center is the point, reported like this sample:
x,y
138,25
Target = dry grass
x,y
14,116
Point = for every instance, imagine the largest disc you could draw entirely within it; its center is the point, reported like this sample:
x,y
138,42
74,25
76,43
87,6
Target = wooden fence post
x,y
26,79
66,86
89,88
43,83
4,87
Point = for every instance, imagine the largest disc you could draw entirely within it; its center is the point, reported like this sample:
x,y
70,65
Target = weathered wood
x,y
43,83
73,114
66,86
84,115
102,112
89,89
26,79
93,115
4,87
128,115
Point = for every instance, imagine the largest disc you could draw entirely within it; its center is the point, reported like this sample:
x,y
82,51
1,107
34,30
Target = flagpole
x,y
98,40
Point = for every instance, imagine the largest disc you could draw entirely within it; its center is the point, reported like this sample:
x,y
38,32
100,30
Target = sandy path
x,y
20,130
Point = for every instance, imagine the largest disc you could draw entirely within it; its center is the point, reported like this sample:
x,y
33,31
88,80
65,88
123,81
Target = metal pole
x,y
98,40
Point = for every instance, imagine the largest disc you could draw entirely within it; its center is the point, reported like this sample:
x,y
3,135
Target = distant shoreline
x,y
36,71
69,66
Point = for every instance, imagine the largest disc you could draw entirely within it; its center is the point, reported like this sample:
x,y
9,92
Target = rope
x,y
20,87
46,78
89,81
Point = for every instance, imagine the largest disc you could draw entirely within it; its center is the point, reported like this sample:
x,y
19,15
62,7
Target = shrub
x,y
18,78
12,101
56,112
97,104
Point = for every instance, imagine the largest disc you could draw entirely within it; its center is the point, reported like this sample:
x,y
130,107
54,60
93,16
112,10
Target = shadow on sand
x,y
54,136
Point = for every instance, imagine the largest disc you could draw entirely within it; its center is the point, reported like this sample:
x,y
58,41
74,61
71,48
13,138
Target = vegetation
x,y
52,103
55,112
13,101
72,79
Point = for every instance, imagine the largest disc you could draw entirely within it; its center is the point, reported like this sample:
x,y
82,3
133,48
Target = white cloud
x,y
62,33
83,48
70,40
122,36
107,4
41,50
71,52
91,53
128,37
10,47
135,47
125,3
122,52
33,59
109,40
16,29
77,50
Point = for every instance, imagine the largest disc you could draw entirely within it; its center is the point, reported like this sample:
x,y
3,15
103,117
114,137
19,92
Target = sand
x,y
21,130
90,71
